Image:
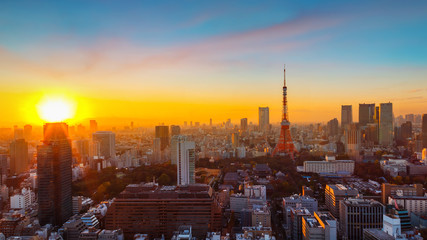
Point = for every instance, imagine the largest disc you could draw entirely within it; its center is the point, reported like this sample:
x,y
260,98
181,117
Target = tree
x,y
164,179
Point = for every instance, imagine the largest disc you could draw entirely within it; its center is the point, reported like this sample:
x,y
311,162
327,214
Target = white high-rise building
x,y
386,124
23,200
264,118
106,142
185,158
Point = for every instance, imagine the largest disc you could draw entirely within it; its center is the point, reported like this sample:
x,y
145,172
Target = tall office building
x,y
406,131
264,119
106,142
18,133
184,156
366,113
18,156
424,131
175,130
352,137
346,115
244,124
332,127
357,215
157,152
162,132
93,125
28,129
54,175
386,124
235,138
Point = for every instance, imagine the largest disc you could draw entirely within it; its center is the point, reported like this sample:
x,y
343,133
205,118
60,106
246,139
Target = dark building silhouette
x,y
18,156
332,127
346,115
424,131
175,130
244,124
162,132
406,131
366,113
54,175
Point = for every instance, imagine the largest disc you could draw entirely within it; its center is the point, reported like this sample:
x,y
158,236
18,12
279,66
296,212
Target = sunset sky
x,y
175,61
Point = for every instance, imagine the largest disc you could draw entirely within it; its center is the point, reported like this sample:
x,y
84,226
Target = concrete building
x,y
357,215
18,156
333,127
388,190
261,216
73,228
243,124
22,200
116,234
264,119
352,141
183,154
148,208
105,142
386,124
235,138
295,201
340,167
413,204
175,130
162,132
346,115
297,215
366,113
90,234
334,194
322,226
424,131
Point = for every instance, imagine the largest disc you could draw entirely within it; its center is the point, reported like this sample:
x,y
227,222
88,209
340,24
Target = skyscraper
x,y
243,124
18,156
183,154
162,132
352,141
424,131
54,175
175,130
346,115
332,127
366,113
386,124
264,119
235,140
106,142
93,126
28,129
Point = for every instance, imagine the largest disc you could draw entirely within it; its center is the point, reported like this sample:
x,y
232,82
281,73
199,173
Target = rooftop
x,y
153,191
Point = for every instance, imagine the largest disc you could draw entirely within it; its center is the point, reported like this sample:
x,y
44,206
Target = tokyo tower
x,y
285,146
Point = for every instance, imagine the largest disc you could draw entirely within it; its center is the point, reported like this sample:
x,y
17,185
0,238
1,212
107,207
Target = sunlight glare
x,y
56,109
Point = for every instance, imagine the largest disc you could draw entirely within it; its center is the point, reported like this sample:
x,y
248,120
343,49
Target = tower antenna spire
x,y
285,144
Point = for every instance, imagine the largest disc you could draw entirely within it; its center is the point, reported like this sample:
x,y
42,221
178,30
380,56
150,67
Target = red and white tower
x,y
285,146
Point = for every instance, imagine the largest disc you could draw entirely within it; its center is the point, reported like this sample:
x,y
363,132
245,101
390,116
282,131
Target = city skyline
x,y
191,63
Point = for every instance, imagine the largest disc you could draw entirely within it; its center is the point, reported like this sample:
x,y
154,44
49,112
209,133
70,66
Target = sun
x,y
56,108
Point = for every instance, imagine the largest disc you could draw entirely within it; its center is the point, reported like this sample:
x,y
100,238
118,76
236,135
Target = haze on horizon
x,y
169,62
